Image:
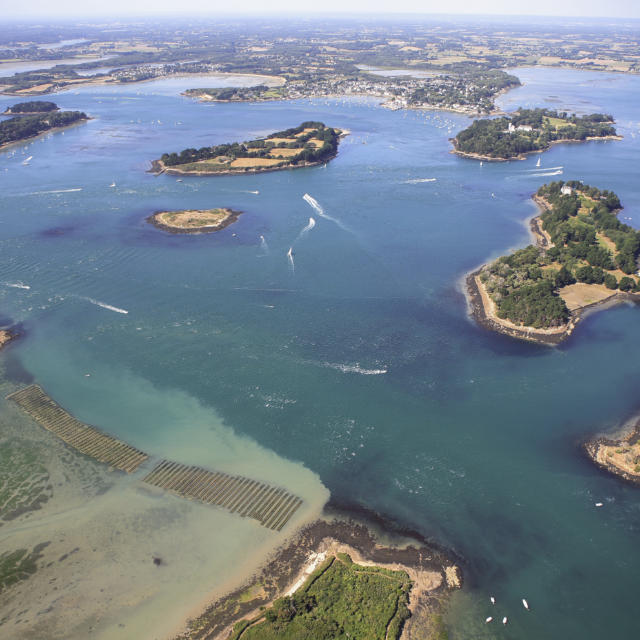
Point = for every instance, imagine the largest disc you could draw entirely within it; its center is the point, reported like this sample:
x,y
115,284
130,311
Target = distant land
x,y
529,131
584,257
618,455
194,221
308,144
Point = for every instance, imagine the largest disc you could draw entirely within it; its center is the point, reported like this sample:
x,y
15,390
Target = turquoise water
x,y
359,361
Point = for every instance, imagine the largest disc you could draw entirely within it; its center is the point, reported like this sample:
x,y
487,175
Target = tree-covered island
x,y
584,256
31,108
21,128
309,144
529,131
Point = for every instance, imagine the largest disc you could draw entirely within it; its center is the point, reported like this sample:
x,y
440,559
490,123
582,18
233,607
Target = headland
x,y
618,455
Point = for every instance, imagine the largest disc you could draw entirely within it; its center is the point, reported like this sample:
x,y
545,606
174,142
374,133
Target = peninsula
x,y
529,131
334,579
34,107
194,221
309,144
583,257
24,127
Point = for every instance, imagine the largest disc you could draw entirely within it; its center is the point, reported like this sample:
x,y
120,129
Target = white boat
x,y
113,184
493,600
480,162
489,619
27,161
538,163
504,620
599,504
525,604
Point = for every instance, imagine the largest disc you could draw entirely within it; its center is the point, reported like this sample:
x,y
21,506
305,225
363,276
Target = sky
x,y
33,9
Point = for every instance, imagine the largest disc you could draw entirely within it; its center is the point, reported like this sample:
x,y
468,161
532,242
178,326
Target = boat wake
x,y
419,180
42,193
354,368
290,259
16,285
548,173
104,305
539,169
315,205
264,246
303,233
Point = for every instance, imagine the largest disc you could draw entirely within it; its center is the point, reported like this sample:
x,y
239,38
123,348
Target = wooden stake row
x,y
80,436
271,506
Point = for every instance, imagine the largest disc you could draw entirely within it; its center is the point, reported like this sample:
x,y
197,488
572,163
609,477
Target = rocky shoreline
x,y
433,570
6,336
607,453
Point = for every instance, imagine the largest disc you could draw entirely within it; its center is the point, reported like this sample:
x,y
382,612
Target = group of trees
x,y
525,284
261,148
34,106
492,138
22,127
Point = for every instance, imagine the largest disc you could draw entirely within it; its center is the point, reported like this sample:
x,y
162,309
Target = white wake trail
x,y
263,245
314,204
16,285
545,175
419,180
350,368
42,193
303,233
543,169
290,258
104,305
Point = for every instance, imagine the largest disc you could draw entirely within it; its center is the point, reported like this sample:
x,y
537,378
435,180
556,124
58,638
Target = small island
x,y
618,455
193,220
583,257
259,93
34,107
24,127
529,131
307,145
6,336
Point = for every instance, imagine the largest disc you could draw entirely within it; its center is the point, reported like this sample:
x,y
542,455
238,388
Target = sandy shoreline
x,y
434,571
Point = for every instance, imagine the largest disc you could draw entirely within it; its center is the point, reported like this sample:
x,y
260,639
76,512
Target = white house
x,y
566,190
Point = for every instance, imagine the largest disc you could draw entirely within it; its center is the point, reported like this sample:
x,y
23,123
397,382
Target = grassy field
x,y
340,600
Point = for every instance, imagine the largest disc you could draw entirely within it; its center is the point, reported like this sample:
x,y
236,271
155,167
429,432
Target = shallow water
x,y
360,364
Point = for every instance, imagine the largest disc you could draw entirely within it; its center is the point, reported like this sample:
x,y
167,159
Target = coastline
x,y
526,154
232,216
433,570
6,145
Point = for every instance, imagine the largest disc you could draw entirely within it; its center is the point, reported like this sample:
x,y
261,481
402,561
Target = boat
x,y
25,162
113,184
525,604
480,162
489,619
504,620
493,600
538,163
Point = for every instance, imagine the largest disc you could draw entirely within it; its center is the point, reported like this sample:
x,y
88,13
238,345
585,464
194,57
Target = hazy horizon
x,y
33,10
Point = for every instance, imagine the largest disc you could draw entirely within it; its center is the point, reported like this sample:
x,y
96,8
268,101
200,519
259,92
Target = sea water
x,y
359,370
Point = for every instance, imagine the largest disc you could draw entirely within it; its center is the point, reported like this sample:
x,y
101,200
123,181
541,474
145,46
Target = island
x,y
618,455
309,144
21,128
6,336
34,107
529,131
336,580
584,257
193,220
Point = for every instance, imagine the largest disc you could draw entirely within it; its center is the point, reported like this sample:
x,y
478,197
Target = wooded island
x,y
528,131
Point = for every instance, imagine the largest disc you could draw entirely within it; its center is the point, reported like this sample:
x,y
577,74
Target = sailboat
x,y
538,163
